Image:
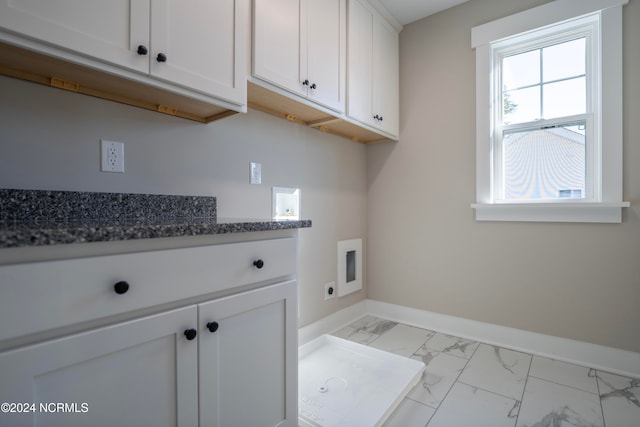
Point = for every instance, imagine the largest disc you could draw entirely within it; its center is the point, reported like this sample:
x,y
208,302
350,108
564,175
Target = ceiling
x,y
407,11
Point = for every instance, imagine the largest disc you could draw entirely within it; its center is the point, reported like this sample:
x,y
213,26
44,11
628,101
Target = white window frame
x,y
604,202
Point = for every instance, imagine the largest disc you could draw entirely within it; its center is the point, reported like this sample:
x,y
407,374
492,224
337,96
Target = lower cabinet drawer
x,y
36,297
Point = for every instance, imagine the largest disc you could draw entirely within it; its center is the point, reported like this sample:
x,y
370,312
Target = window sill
x,y
551,212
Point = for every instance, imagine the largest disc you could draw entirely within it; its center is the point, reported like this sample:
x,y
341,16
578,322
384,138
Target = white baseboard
x,y
332,322
607,359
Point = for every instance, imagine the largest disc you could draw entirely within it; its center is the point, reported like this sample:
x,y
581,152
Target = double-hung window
x,y
544,86
549,114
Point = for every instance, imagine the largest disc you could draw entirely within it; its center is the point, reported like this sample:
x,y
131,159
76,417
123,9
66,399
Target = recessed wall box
x,y
349,266
285,203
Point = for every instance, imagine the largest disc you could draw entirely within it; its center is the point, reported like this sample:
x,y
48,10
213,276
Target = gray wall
x,y
49,139
579,281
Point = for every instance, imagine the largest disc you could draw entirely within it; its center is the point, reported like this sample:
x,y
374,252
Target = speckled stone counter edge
x,y
42,207
37,218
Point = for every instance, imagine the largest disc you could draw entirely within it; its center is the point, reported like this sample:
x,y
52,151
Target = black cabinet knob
x,y
313,86
161,57
212,326
190,334
121,287
305,83
258,263
381,118
142,50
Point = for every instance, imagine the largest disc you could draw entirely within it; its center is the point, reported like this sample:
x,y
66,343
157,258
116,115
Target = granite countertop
x,y
39,218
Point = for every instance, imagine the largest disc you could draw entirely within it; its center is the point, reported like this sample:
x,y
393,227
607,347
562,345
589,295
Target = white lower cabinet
x,y
249,364
223,363
228,361
137,373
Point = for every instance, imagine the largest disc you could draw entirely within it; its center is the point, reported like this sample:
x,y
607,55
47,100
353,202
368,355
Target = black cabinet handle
x,y
161,57
190,334
305,83
142,50
313,86
258,263
212,326
121,287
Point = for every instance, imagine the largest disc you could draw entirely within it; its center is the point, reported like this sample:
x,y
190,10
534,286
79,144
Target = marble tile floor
x,y
471,384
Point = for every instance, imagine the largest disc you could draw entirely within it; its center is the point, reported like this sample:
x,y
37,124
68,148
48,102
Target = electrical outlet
x,y
330,291
112,156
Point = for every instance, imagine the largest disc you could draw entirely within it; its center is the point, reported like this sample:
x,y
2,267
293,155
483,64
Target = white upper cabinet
x,y
326,52
386,77
277,43
360,73
203,45
373,76
300,45
109,31
199,45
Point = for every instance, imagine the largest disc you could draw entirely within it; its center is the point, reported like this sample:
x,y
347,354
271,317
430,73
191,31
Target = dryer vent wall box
x,y
349,266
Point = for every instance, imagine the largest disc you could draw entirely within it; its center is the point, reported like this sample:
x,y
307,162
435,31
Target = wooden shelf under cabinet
x,y
286,107
35,67
50,71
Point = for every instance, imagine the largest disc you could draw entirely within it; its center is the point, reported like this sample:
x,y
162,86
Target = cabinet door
x,y
107,30
373,88
137,373
385,76
277,44
360,73
248,365
326,52
203,45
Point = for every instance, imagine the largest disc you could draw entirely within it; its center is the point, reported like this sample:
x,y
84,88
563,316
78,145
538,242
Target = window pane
x,y
564,60
521,70
564,98
545,163
522,105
